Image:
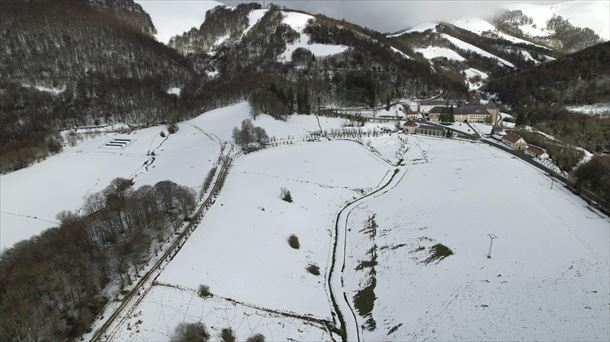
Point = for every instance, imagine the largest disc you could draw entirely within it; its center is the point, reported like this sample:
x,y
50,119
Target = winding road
x,y
344,315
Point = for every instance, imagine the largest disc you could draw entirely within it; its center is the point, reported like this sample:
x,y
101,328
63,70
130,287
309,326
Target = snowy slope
x,y
320,177
469,47
548,276
298,21
592,14
432,52
246,256
175,17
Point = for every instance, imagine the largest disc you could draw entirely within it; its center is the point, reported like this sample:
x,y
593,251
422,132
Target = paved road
x,y
342,309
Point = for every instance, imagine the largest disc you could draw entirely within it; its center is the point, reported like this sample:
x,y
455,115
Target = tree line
x,y
53,286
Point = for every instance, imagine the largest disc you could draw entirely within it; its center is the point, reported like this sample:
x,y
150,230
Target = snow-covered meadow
x,y
32,197
241,250
548,275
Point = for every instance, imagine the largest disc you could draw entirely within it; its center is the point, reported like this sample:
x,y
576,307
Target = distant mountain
x,y
564,27
280,55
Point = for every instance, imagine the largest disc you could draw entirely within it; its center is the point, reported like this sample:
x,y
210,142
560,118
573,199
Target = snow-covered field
x,y
548,276
240,249
32,197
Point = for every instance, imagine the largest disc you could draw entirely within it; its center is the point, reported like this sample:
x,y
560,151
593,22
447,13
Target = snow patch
x,y
46,89
400,52
432,52
174,91
469,47
298,21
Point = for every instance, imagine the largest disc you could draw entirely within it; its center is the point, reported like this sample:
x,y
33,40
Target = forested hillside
x,y
72,62
538,96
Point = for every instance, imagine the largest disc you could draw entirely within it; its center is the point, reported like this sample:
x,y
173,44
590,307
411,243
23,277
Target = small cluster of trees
x,y
249,135
54,285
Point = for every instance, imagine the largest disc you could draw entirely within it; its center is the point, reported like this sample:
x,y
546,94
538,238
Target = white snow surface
x,y
479,26
174,91
175,17
548,276
471,78
469,47
432,52
298,21
30,199
164,307
47,89
321,177
253,17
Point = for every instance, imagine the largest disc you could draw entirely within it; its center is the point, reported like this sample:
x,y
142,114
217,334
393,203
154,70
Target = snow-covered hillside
x,y
298,21
241,251
172,18
547,277
591,14
585,14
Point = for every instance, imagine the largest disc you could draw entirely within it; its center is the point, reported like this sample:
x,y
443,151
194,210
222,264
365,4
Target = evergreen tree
x,y
450,115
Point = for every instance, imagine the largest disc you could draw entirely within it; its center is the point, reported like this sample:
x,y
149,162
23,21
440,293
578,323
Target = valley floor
x,y
547,277
415,253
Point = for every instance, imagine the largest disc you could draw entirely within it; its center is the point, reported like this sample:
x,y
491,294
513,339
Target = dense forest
x,y
538,96
54,285
93,68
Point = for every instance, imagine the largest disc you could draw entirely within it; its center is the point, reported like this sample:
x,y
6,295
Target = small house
x,y
536,152
409,127
412,115
515,141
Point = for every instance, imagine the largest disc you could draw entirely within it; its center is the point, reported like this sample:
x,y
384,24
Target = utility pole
x,y
491,241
